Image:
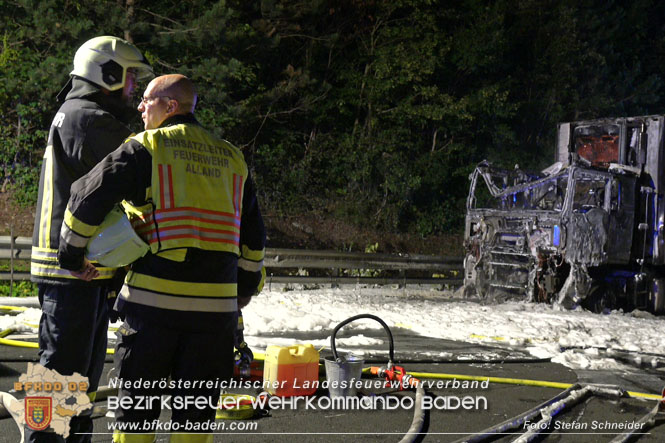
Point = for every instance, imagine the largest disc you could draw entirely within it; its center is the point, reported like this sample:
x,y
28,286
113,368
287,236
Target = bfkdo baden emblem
x,y
38,412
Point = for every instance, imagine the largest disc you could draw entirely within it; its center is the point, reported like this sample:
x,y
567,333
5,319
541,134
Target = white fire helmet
x,y
105,60
115,244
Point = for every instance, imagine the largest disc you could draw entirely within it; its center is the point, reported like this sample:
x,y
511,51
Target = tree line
x,y
371,111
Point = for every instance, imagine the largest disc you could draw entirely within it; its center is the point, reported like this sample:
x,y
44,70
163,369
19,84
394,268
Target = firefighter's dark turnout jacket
x,y
85,129
73,327
190,197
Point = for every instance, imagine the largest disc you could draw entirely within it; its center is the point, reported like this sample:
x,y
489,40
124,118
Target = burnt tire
x,y
601,298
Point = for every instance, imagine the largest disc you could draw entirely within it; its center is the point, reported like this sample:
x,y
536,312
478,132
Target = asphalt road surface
x,y
318,421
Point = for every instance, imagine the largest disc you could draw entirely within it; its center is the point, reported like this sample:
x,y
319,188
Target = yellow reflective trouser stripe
x,y
179,303
184,288
78,226
122,437
251,254
191,438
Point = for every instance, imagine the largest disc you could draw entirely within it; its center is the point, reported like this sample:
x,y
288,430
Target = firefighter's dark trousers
x,y
170,366
72,338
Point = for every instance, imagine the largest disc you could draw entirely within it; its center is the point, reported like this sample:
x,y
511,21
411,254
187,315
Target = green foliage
x,y
25,186
19,289
375,111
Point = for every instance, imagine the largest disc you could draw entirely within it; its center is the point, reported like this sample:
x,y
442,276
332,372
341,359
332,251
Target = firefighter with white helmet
x,y
105,61
90,123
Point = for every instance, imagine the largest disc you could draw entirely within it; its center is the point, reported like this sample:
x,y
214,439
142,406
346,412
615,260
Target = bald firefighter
x,y
190,197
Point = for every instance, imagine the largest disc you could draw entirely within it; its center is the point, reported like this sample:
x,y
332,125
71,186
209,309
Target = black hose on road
x,y
420,422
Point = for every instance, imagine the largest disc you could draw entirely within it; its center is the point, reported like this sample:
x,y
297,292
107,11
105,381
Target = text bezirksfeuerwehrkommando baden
x,y
295,384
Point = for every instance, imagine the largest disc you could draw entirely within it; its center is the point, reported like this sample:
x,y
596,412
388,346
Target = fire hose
x,y
393,373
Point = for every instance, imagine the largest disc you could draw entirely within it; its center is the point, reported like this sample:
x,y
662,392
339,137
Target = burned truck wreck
x,y
587,231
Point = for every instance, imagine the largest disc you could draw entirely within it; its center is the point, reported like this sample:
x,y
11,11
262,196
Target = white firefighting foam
x,y
572,338
577,339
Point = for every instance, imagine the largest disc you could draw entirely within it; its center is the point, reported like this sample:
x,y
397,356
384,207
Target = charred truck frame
x,y
586,231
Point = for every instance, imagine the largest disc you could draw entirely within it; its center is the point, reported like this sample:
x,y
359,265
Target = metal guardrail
x,y
338,262
19,248
298,258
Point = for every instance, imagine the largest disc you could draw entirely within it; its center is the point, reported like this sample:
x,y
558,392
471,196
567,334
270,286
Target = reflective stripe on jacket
x,y
197,185
176,275
84,130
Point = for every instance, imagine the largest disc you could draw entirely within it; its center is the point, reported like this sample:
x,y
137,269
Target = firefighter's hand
x,y
243,353
87,272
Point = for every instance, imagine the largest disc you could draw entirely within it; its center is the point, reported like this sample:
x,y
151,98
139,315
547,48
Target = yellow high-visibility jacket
x,y
191,198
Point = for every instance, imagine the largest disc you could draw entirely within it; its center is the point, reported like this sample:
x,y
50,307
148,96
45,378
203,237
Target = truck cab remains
x,y
587,231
